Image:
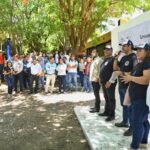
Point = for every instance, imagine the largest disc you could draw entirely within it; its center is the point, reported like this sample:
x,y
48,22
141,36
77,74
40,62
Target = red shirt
x,y
2,59
87,69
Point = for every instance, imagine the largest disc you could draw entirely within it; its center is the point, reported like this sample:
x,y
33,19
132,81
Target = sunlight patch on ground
x,y
69,97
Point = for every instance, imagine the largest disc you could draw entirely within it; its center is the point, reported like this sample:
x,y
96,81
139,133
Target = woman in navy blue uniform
x,y
138,84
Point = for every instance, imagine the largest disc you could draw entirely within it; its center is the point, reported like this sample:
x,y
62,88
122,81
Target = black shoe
x,y
94,110
128,132
121,124
104,114
109,119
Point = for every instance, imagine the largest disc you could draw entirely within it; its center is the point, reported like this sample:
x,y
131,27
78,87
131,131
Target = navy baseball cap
x,y
143,46
126,42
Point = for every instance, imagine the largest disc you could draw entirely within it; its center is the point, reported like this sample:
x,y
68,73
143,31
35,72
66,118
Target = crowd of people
x,y
39,72
130,67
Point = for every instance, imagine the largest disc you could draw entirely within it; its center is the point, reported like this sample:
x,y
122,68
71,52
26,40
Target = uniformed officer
x,y
139,80
125,66
106,71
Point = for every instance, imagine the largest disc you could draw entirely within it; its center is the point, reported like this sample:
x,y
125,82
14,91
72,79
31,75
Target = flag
x,y
9,47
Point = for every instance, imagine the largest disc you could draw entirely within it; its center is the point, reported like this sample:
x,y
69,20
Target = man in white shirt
x,y
36,69
17,73
94,78
72,73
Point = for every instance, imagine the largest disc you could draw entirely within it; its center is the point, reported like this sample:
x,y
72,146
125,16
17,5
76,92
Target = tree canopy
x,y
52,24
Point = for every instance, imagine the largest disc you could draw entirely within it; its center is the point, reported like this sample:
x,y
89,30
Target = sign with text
x,y
137,34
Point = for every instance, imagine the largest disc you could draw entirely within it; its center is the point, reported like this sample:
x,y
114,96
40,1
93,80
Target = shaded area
x,y
28,124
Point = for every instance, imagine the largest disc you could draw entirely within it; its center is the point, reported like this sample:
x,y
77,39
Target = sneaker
x,y
121,124
128,132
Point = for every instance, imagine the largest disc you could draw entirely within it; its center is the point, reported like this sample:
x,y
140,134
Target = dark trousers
x,y
110,101
96,90
81,78
10,84
62,83
140,123
126,109
1,72
18,77
26,80
32,79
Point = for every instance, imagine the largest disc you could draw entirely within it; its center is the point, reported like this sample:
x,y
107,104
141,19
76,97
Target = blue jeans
x,y
41,82
87,83
126,109
81,78
1,71
10,84
20,78
140,123
72,77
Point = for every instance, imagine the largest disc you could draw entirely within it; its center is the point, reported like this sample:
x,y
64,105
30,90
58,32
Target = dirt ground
x,y
27,124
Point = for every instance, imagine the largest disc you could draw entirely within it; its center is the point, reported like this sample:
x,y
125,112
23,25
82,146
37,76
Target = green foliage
x,y
46,25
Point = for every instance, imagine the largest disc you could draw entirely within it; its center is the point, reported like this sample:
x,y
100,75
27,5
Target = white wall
x,y
118,32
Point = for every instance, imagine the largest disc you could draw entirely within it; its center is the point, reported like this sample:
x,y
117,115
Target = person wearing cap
x,y
94,78
18,73
125,66
2,62
106,71
36,70
139,80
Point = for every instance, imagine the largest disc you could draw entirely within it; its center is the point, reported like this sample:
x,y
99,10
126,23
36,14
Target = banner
x,y
137,33
9,47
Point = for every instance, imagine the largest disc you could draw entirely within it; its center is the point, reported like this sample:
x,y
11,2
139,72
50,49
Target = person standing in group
x,y
62,68
41,78
26,72
87,82
81,72
56,56
51,75
35,73
72,73
18,73
94,78
125,66
8,72
138,84
106,71
2,62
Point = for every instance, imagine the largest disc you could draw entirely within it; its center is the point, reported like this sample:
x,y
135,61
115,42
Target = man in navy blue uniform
x,y
125,66
106,71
